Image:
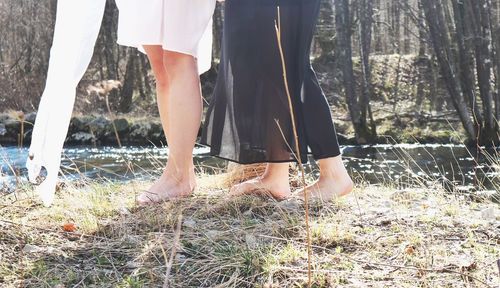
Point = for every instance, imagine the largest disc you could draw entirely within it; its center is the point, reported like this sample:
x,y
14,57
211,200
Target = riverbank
x,y
380,236
87,130
402,113
98,130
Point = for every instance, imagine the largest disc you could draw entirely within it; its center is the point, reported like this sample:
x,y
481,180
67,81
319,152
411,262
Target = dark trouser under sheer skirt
x,y
249,120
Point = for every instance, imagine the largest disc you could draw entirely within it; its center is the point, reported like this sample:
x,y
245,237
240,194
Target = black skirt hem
x,y
304,161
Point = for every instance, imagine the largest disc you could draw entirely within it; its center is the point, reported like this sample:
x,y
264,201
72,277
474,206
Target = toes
x,y
258,188
281,196
146,198
239,189
315,192
143,202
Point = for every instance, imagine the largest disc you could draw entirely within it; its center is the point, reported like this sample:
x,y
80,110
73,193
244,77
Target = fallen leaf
x,y
69,227
410,250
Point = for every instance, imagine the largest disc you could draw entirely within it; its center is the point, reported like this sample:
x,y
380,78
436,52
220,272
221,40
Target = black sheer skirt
x,y
248,119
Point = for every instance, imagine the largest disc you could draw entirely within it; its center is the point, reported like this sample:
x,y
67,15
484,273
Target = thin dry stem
x,y
173,252
297,148
112,116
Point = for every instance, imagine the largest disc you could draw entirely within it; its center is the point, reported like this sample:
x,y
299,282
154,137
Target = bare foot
x,y
328,189
168,186
262,186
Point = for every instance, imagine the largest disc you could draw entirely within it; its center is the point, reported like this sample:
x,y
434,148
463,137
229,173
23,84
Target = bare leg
x,y
155,56
274,182
180,111
333,182
184,114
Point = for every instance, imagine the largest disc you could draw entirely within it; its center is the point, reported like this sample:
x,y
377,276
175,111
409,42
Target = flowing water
x,y
403,164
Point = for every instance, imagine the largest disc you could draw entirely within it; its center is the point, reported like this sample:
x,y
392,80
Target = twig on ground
x,y
177,236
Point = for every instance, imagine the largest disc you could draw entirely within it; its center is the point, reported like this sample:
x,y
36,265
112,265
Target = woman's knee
x,y
175,61
155,56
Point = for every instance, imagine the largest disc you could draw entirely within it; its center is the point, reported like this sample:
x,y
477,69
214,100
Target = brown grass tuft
x,y
387,238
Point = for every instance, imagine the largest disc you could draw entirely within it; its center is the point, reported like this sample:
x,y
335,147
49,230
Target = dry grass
x,y
377,237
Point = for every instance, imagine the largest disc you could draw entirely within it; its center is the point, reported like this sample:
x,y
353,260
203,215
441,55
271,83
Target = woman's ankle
x,y
334,175
180,173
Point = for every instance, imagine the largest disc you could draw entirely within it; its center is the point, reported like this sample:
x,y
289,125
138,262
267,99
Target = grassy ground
x,y
377,237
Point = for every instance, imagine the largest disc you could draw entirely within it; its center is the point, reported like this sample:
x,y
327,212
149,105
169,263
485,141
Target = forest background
x,y
409,70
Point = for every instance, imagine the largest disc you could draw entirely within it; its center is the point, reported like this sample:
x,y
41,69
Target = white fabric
x,y
77,27
183,26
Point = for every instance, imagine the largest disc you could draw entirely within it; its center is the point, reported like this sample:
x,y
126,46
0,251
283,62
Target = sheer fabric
x,y
248,119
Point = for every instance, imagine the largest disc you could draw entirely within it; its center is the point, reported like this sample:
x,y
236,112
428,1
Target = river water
x,y
403,164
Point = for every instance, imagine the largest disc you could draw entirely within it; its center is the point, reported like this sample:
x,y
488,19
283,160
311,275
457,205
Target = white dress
x,y
183,26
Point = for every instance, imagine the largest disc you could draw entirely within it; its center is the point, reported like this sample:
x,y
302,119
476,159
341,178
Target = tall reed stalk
x,y
20,137
298,156
112,116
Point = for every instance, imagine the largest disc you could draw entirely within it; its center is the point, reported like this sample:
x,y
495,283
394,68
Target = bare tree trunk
x,y
140,78
406,31
422,58
377,27
396,25
325,35
144,68
441,42
478,13
495,21
366,21
344,54
465,58
127,90
109,30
